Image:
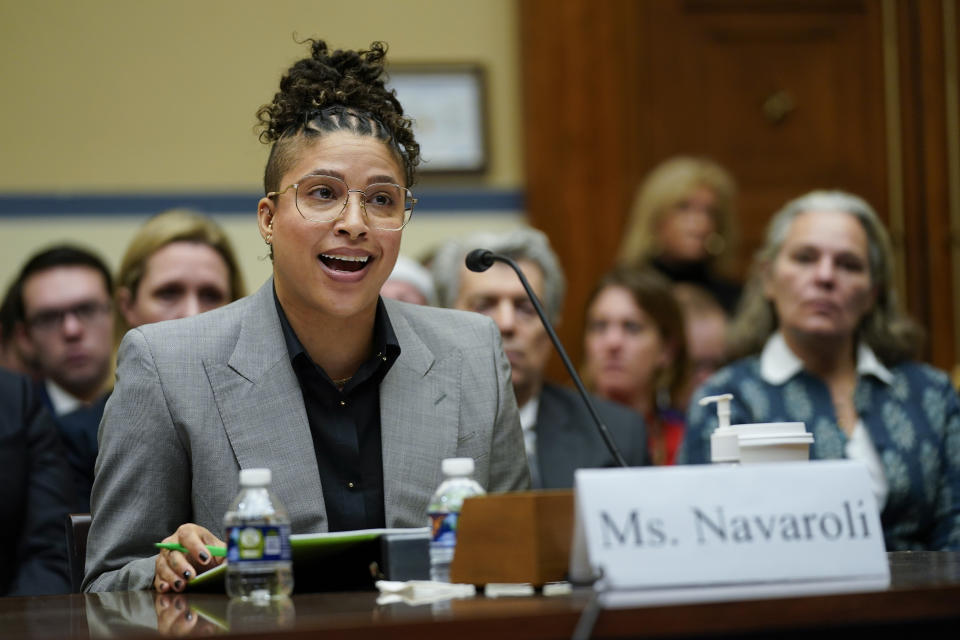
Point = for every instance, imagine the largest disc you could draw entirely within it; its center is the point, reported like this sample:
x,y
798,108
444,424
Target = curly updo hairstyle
x,y
341,90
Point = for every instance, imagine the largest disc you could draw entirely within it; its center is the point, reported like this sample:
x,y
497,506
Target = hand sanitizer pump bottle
x,y
724,444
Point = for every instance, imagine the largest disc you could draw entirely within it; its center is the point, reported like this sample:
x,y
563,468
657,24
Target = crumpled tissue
x,y
421,591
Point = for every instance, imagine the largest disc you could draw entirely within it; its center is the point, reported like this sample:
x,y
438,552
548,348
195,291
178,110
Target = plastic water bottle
x,y
259,565
444,511
263,617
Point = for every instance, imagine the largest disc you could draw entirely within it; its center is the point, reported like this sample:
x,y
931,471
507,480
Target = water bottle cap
x,y
457,466
254,477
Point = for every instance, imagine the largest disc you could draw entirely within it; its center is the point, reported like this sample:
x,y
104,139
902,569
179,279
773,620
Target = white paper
x,y
703,525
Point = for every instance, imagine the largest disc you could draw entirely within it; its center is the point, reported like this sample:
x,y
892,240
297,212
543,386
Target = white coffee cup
x,y
773,442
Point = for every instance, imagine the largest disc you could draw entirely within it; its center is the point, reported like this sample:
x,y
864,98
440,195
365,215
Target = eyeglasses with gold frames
x,y
323,198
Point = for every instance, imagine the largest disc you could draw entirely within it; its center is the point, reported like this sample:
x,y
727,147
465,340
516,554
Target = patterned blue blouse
x,y
913,421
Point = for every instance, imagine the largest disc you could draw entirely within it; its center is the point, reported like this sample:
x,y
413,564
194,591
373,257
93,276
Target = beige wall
x,y
20,237
151,96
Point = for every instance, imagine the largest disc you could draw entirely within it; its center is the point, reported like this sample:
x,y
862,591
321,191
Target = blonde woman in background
x,y
683,225
180,263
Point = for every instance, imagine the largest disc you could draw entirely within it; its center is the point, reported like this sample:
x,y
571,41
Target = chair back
x,y
78,525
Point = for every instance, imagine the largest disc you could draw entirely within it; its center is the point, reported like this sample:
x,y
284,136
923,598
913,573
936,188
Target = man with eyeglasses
x,y
64,320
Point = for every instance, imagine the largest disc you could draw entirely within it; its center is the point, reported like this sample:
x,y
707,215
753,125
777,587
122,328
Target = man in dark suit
x,y
559,433
62,308
35,494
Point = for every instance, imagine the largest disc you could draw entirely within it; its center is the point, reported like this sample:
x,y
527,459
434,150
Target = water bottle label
x,y
259,543
443,526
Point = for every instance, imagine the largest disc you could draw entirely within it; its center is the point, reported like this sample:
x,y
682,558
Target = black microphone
x,y
480,260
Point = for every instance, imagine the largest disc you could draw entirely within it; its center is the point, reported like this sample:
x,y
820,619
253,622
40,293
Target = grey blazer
x,y
568,440
200,398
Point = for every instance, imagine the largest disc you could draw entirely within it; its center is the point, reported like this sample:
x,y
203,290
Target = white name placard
x,y
709,525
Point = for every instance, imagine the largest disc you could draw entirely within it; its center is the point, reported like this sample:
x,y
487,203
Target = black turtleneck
x,y
726,292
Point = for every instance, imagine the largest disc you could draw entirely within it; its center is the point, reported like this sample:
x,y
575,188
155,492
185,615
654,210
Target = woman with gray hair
x,y
822,341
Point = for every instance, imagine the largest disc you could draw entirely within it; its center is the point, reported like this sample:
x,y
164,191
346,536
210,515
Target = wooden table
x,y
924,599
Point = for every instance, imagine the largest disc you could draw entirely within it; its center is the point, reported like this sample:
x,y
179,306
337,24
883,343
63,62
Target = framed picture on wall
x,y
447,104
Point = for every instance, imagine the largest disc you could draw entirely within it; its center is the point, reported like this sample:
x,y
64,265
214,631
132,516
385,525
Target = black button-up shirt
x,y
345,424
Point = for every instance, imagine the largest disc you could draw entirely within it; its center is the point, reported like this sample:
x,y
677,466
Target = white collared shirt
x,y
528,420
62,401
778,364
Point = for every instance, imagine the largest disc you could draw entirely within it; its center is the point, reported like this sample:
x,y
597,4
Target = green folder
x,y
323,561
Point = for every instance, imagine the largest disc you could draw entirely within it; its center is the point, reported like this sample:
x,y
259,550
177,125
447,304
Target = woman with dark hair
x,y
351,400
823,342
636,353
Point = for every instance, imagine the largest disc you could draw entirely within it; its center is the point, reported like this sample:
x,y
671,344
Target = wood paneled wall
x,y
581,61
612,88
930,242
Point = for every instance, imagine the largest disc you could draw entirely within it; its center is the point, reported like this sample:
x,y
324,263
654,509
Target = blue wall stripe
x,y
430,201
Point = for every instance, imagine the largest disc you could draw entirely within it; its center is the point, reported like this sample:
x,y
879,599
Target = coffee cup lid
x,y
769,429
762,441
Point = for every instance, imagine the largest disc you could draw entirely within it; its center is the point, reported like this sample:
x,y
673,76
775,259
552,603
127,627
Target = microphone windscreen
x,y
479,260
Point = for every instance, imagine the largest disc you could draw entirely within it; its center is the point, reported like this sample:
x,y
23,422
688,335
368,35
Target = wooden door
x,y
789,95
778,92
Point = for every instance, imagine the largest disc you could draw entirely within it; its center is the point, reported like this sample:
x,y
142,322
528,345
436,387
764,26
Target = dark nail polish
x,y
204,556
178,584
186,574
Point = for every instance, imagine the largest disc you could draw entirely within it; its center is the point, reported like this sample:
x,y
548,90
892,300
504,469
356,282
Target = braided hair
x,y
341,90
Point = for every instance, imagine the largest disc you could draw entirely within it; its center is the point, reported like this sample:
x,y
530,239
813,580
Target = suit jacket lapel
x,y
419,423
261,404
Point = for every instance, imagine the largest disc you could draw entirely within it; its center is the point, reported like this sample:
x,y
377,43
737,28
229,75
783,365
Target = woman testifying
x,y
828,346
351,400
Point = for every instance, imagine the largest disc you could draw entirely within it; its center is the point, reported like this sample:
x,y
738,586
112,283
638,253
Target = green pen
x,y
220,552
